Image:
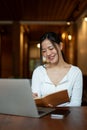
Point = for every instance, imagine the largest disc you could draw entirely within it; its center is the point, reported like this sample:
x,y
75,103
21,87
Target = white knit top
x,y
72,81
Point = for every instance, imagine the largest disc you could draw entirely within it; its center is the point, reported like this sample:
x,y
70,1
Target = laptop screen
x,y
16,98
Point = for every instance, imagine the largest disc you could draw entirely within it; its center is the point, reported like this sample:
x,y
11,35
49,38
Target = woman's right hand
x,y
35,95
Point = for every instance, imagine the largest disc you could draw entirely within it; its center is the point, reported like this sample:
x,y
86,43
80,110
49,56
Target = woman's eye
x,y
43,51
51,48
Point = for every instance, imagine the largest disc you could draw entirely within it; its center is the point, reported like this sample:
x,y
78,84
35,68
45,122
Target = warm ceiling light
x,y
38,45
69,37
85,18
63,35
68,23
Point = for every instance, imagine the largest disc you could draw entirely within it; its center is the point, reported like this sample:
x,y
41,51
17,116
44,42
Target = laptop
x,y
16,99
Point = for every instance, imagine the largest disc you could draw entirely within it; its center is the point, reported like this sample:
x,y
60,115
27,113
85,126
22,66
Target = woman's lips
x,y
51,57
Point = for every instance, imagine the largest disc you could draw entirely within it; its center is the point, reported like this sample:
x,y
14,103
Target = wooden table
x,y
75,120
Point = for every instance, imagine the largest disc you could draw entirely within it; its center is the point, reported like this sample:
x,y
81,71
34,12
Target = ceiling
x,y
41,15
41,10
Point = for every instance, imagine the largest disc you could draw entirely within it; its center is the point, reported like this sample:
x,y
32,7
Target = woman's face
x,y
49,51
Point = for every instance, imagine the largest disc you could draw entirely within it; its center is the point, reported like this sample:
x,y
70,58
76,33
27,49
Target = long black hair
x,y
53,37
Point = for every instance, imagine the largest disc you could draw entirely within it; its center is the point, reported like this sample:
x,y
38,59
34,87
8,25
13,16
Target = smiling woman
x,y
56,74
50,50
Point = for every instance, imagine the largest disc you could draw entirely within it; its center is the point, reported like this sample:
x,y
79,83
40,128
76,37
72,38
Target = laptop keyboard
x,y
40,112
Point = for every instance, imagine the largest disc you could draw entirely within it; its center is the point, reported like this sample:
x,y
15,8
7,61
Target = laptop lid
x,y
16,98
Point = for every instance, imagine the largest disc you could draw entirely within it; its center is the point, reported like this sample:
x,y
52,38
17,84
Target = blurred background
x,y
22,22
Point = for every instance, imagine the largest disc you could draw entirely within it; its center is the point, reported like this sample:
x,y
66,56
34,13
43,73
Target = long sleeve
x,y
77,90
76,97
36,81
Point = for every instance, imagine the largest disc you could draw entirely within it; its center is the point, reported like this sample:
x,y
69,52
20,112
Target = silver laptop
x,y
16,99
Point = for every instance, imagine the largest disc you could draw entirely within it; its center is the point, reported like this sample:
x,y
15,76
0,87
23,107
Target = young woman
x,y
56,74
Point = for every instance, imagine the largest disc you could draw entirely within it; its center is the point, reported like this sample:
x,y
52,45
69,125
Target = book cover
x,y
54,99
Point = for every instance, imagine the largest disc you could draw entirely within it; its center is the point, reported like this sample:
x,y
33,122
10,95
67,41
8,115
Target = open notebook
x,y
16,99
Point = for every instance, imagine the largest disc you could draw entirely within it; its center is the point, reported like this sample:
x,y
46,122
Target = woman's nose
x,y
48,52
